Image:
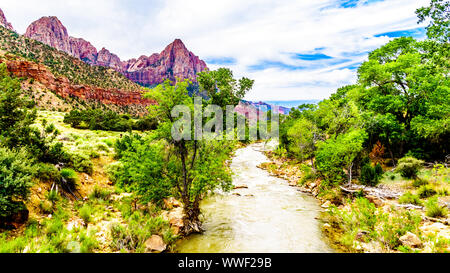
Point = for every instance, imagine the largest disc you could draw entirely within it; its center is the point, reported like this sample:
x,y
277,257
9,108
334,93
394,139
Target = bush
x,y
16,173
426,191
100,193
86,213
434,210
418,182
113,170
409,167
371,176
47,172
82,163
69,178
409,198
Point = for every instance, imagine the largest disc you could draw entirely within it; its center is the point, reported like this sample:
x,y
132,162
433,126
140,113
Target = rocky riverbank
x,y
395,227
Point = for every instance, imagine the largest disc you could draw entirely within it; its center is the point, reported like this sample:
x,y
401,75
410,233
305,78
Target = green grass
x,y
433,209
409,198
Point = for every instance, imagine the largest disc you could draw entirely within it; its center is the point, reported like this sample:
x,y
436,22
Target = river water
x,y
268,216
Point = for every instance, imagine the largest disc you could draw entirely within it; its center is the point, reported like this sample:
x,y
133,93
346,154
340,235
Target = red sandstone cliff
x,y
175,61
62,86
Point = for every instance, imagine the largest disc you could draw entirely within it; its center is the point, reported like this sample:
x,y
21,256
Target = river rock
x,y
410,240
175,217
171,203
155,244
375,200
240,187
326,205
439,229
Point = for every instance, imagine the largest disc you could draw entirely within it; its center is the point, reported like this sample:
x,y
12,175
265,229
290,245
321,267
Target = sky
x,y
293,49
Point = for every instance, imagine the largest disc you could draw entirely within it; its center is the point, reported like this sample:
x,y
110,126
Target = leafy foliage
x,y
409,167
96,119
16,173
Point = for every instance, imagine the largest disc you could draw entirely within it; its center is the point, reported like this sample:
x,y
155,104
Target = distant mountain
x,y
175,61
292,103
263,106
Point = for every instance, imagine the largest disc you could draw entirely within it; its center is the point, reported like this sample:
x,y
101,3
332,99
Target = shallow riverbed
x,y
268,216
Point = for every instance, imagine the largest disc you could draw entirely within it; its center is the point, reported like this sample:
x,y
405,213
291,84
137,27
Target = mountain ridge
x,y
175,61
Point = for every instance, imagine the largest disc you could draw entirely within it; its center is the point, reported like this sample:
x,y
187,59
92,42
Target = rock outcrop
x,y
175,61
65,89
4,22
49,30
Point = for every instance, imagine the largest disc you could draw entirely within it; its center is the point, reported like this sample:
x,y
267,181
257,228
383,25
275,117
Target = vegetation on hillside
x,y
62,64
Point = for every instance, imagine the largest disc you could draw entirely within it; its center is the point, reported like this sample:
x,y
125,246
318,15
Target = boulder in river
x,y
240,187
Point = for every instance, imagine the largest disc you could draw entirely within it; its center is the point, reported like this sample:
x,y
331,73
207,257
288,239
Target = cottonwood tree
x,y
195,167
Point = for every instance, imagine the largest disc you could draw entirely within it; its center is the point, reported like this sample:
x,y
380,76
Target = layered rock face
x,y
62,86
4,22
50,31
175,61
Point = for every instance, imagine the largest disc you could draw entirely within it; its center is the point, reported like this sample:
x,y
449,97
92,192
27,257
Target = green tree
x,y
400,95
222,88
439,14
16,173
336,155
302,139
16,114
195,167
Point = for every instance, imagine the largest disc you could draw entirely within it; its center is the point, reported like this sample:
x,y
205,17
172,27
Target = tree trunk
x,y
192,223
350,174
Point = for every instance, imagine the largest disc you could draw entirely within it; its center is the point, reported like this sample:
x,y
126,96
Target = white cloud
x,y
250,31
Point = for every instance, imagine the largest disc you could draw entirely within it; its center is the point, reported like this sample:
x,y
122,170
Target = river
x,y
268,216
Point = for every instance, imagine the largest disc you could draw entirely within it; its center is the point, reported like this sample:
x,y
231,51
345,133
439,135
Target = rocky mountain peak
x,y
4,22
50,31
175,61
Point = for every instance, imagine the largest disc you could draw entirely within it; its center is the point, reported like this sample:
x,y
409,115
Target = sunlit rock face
x,y
175,61
4,22
64,88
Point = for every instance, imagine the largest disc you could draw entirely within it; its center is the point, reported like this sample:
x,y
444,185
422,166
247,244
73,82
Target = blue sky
x,y
294,50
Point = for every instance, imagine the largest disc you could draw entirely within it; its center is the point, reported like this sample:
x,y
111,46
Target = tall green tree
x,y
222,88
195,166
16,112
439,14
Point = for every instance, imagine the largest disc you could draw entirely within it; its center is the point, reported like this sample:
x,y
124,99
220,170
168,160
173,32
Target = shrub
x,y
113,170
409,167
53,196
371,175
16,173
409,198
69,178
433,209
47,172
418,182
426,191
85,213
82,163
100,193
